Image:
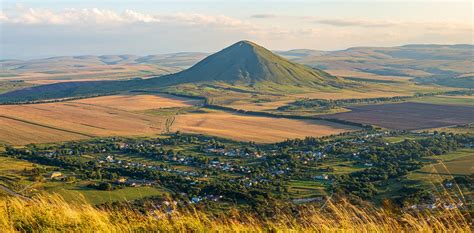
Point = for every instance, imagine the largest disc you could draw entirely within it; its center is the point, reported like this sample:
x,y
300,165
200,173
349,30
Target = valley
x,y
242,130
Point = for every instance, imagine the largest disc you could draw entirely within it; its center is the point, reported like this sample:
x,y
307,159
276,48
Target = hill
x,y
246,63
447,65
243,65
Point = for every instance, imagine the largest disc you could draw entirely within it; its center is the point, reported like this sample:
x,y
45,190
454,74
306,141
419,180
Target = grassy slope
x,y
50,213
244,66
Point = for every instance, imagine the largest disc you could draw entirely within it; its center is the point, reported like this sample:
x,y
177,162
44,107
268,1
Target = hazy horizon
x,y
211,52
32,29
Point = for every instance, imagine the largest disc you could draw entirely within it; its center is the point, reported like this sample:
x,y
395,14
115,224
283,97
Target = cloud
x,y
96,16
263,16
355,23
38,32
74,16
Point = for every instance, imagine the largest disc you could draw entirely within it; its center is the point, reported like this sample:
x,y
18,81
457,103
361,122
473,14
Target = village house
x,y
322,177
122,180
56,175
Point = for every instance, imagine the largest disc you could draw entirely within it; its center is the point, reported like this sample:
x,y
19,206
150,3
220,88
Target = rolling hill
x,y
447,65
243,64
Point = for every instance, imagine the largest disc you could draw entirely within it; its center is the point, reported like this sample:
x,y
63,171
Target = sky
x,y
46,28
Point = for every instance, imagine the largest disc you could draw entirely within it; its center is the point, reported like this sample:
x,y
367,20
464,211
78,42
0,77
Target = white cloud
x,y
356,23
263,16
72,31
72,16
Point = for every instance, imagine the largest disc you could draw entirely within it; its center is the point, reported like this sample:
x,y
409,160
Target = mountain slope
x,y
243,65
246,63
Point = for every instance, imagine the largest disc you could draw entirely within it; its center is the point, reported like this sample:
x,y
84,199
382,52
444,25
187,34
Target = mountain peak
x,y
249,64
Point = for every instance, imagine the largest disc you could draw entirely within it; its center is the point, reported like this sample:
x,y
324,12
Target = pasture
x,y
444,99
79,193
408,116
254,128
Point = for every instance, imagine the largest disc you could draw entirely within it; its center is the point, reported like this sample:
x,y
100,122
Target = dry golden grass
x,y
360,74
458,96
253,128
53,214
349,94
139,102
264,106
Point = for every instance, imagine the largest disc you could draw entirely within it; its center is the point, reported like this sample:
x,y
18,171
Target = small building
x,y
322,177
56,175
122,180
110,159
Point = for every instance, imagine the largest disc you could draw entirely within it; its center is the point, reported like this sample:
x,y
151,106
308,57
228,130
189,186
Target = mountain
x,y
243,65
248,64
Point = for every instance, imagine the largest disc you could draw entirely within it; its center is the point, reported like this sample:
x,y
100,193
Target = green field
x,y
11,172
6,86
431,176
306,188
459,162
444,100
77,192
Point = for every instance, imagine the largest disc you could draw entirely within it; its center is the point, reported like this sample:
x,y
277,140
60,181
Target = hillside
x,y
243,65
447,65
246,63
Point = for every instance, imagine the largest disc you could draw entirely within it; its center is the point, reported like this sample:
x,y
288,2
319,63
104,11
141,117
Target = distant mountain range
x,y
174,60
241,64
245,64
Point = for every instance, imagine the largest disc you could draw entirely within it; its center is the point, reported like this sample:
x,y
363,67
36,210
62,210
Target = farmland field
x,y
408,115
454,163
253,128
135,115
74,192
139,102
100,116
454,100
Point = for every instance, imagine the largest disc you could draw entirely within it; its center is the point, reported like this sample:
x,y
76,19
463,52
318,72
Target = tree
x,y
105,186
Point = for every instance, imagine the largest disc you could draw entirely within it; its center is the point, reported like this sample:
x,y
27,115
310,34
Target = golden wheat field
x,y
18,133
254,128
62,121
139,102
125,115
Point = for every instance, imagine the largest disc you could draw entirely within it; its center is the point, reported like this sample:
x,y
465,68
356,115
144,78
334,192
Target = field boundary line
x,y
46,126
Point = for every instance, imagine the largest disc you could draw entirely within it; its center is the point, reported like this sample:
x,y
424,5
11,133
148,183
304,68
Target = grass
x,y
53,214
446,100
306,188
397,139
77,193
462,129
6,86
11,172
431,176
459,162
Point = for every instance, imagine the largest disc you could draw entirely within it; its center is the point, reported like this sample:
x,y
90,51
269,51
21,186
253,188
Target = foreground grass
x,y
53,214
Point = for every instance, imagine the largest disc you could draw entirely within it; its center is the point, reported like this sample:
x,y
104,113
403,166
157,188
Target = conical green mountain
x,y
246,63
242,65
